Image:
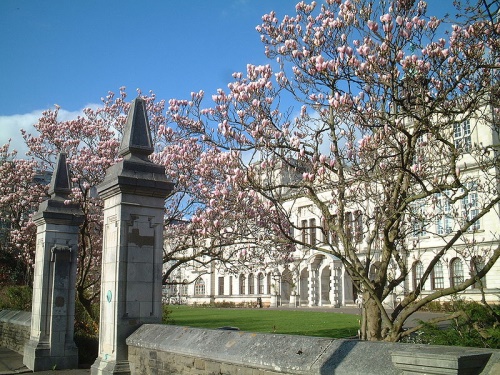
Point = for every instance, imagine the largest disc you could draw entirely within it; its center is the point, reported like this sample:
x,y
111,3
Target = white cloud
x,y
10,126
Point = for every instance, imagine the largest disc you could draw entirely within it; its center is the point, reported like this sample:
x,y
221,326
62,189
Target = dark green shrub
x,y
86,335
16,297
476,326
88,347
84,323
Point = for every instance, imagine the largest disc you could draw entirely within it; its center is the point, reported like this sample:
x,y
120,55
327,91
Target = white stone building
x,y
317,278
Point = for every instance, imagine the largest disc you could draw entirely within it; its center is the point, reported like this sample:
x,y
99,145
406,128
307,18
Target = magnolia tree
x,y
206,218
20,194
368,115
227,223
91,145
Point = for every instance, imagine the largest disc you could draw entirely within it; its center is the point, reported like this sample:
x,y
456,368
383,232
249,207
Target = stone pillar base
x,y
274,300
38,357
103,367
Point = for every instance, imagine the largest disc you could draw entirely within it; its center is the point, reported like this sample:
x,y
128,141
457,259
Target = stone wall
x,y
162,349
14,329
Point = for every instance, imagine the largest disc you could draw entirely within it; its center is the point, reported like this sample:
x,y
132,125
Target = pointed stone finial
x,y
60,182
136,134
56,209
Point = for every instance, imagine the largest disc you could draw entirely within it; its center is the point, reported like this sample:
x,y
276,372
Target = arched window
x,y
437,276
260,283
184,287
457,271
242,284
476,265
251,284
418,271
199,287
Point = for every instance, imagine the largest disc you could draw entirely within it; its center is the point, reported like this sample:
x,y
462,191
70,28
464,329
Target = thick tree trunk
x,y
371,323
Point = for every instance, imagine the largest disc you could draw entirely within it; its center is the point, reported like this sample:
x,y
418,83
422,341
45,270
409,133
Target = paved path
x,y
12,362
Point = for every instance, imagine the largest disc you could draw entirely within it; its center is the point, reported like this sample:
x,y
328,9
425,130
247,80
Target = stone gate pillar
x,y
134,192
51,342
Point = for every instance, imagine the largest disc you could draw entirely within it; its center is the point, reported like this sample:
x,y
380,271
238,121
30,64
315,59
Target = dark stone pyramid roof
x,y
60,183
136,137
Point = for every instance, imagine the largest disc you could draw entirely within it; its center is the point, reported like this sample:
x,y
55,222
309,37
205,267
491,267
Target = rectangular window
x,y
242,285
348,225
303,227
470,207
418,272
260,283
358,226
462,136
420,152
251,284
444,219
418,224
437,276
221,286
312,232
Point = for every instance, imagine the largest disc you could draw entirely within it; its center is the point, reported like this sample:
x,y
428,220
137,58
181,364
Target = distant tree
x,y
382,88
20,194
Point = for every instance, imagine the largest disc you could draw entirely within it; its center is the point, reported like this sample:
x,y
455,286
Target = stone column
x,y
134,192
51,342
312,285
337,285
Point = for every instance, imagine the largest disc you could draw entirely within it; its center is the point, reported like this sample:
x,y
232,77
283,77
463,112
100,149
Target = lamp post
x,y
276,277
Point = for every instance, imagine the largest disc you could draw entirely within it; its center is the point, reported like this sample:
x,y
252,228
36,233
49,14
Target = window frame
x,y
418,272
199,287
456,278
462,139
437,276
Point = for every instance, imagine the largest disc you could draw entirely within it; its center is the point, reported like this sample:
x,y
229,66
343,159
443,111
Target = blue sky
x,y
71,53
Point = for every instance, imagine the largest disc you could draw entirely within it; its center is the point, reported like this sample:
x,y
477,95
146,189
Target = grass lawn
x,y
290,322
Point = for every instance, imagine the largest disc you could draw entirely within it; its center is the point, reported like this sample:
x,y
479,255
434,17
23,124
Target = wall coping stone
x,y
441,361
288,353
16,317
